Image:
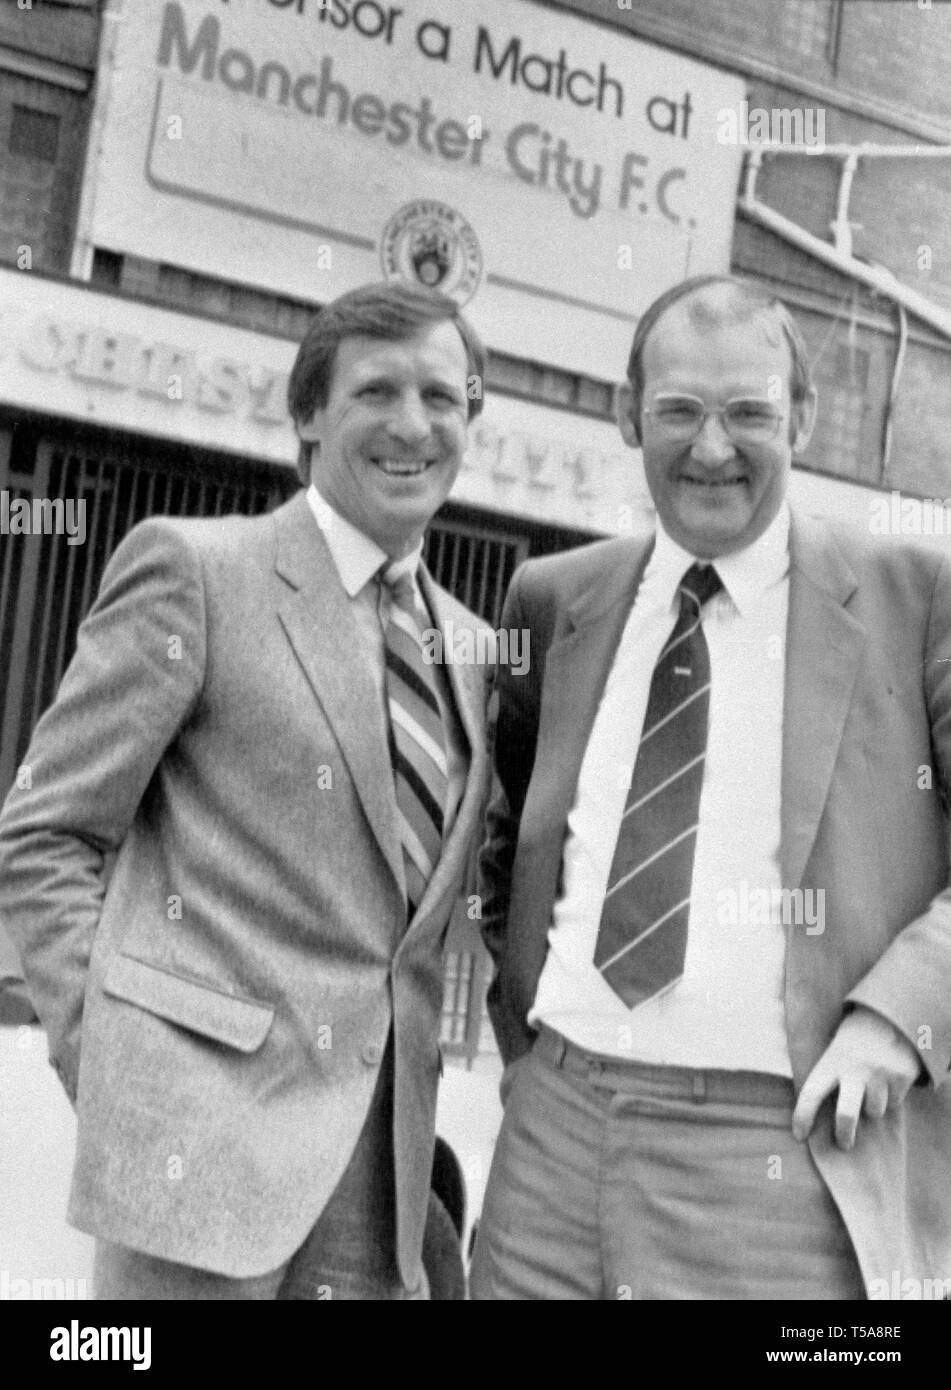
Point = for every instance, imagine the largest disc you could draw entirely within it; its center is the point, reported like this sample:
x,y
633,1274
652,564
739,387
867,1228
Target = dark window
x,y
34,133
106,267
808,27
843,381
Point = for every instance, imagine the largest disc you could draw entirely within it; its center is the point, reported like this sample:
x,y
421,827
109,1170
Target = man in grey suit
x,y
716,878
246,1015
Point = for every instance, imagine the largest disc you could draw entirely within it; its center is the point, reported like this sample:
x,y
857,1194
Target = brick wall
x,y
900,53
892,52
879,72
43,122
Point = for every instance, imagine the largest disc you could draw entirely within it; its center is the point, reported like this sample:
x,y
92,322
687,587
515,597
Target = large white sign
x,y
559,172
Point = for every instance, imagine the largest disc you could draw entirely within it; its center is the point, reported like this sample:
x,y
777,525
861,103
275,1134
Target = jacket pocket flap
x,y
240,1023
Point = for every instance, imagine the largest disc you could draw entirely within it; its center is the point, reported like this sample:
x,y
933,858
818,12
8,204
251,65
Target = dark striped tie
x,y
642,937
417,738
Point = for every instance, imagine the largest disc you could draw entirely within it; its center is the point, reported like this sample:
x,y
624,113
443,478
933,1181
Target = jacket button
x,y
372,1054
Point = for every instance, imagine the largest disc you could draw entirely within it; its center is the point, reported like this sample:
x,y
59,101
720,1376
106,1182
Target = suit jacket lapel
x,y
576,669
824,645
316,615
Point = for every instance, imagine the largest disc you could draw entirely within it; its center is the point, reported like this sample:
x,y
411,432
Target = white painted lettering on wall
x,y
127,362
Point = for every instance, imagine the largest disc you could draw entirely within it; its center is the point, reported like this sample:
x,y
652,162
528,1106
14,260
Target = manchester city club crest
x,y
429,243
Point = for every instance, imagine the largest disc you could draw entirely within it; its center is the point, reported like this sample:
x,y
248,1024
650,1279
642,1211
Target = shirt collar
x,y
746,574
356,557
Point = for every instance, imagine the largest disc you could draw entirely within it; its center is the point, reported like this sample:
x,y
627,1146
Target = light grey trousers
x,y
628,1181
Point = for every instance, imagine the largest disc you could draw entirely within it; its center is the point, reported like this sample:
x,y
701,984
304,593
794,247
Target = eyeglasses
x,y
746,420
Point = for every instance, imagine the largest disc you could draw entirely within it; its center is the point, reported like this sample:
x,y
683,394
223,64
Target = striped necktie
x,y
417,738
642,937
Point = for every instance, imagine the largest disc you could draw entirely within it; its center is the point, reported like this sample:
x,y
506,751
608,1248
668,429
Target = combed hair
x,y
389,310
746,301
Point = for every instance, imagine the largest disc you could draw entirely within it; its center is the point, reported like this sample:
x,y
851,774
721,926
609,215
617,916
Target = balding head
x,y
709,302
719,401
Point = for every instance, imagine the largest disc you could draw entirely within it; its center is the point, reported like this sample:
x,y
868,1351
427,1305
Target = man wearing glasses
x,y
715,883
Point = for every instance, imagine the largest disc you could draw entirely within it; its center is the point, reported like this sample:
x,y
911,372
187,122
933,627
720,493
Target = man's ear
x,y
309,433
311,430
802,421
627,410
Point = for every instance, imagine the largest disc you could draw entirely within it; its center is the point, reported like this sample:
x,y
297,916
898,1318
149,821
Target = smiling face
x,y
389,441
714,496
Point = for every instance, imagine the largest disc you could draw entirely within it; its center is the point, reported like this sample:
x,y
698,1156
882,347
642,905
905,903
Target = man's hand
x,y
873,1067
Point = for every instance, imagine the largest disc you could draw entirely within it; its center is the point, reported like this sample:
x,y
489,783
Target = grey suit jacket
x,y
220,1011
866,759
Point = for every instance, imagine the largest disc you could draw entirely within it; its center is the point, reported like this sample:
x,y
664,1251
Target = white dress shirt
x,y
727,1011
358,560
